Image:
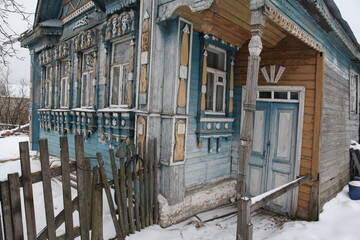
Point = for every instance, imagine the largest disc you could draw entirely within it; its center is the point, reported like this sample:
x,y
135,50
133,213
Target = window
x,y
64,77
119,74
354,98
216,80
48,87
87,79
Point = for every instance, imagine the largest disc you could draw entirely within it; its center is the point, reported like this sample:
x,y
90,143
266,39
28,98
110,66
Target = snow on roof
x,y
51,23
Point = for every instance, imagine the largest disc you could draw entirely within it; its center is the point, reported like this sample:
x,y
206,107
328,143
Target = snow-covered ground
x,y
339,220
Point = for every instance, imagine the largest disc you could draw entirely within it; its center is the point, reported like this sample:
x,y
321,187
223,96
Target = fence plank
x,y
96,206
14,186
129,189
59,220
84,216
117,191
6,210
47,189
156,184
142,197
146,188
106,185
123,194
137,200
66,187
27,190
151,181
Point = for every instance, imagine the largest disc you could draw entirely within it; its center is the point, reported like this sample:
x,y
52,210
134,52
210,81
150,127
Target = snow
x,y
355,183
13,130
354,145
339,220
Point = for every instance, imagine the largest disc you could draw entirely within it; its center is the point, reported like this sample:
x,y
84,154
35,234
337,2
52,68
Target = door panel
x,y
275,132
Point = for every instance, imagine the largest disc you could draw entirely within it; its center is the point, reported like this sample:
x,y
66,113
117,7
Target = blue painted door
x,y
274,151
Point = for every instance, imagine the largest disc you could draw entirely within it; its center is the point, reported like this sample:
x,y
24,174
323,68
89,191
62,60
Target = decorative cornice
x,y
167,10
290,27
118,25
120,5
79,11
62,50
337,28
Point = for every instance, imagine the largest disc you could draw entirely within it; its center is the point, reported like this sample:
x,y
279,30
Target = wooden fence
x,y
134,182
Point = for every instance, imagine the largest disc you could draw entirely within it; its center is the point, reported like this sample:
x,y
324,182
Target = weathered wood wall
x,y
300,62
338,128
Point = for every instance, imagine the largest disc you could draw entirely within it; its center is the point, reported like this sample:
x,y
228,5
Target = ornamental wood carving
x,y
184,61
118,25
85,40
179,151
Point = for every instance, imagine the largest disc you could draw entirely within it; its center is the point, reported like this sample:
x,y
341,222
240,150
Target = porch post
x,y
246,135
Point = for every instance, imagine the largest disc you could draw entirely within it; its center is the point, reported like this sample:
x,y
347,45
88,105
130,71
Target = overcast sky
x,y
21,69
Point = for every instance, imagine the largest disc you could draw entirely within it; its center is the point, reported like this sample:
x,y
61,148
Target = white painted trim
x,y
204,119
79,11
138,66
301,90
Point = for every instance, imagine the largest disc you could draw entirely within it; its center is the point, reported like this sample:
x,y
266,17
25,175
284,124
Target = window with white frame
x,y
119,74
87,79
216,80
48,86
354,93
64,81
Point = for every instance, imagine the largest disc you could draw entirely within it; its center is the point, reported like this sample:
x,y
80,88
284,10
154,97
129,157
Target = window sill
x,y
115,109
83,110
214,113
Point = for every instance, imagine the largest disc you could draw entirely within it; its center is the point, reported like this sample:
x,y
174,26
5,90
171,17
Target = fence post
x,y
48,200
27,189
14,185
129,189
96,206
245,227
6,210
82,187
66,186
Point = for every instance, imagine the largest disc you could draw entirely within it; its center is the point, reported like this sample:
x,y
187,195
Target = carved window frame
x,y
122,66
217,74
89,74
353,93
64,86
48,85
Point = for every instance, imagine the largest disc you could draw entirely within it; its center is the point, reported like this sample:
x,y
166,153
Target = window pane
x,y
84,90
219,98
124,83
216,59
264,94
88,61
115,86
64,69
209,91
280,95
121,52
294,95
47,93
63,92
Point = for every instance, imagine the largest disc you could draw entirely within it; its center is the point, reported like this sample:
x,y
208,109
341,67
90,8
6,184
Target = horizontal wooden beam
x,y
272,194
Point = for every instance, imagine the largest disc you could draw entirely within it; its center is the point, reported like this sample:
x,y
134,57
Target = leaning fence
x,y
133,202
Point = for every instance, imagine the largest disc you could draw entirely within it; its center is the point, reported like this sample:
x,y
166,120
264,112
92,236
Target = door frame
x,y
301,101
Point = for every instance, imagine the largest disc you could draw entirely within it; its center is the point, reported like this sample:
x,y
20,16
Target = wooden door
x,y
274,151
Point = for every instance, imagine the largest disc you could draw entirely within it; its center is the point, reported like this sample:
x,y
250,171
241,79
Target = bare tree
x,y
8,36
14,103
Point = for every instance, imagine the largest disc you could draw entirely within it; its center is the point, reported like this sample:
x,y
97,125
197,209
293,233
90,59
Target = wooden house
x,y
191,74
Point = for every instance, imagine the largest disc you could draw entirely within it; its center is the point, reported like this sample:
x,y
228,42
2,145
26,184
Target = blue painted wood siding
x,y
201,166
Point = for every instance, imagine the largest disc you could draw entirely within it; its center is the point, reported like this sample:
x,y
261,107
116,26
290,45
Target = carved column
x,y
244,225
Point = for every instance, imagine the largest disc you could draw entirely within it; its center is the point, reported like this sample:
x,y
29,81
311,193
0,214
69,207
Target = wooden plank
x,y
137,200
129,190
66,187
157,184
96,206
142,197
106,186
314,209
6,211
14,186
59,220
281,190
146,188
47,189
244,218
27,190
151,178
117,191
84,216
